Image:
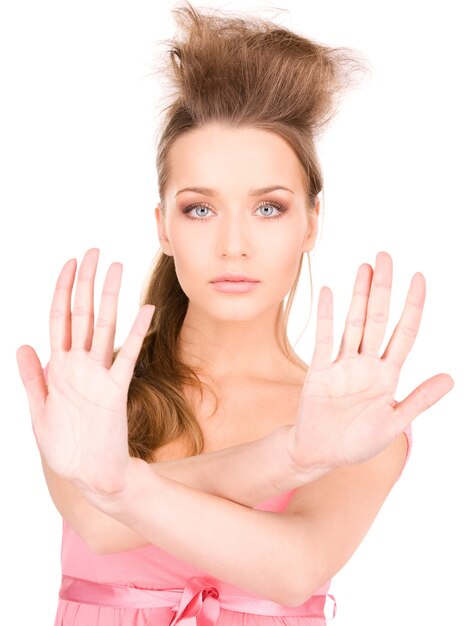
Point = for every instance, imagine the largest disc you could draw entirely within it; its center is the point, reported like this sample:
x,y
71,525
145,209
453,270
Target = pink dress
x,y
148,586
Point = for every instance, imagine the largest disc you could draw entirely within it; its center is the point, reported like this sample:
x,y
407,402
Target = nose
x,y
233,235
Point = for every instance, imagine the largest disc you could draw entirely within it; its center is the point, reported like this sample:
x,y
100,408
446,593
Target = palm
x,y
80,417
359,395
82,390
347,412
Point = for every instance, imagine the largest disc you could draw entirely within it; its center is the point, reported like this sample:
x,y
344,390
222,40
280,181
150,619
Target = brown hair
x,y
240,72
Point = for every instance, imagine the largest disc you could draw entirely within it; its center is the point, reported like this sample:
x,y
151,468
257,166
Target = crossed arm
x,y
199,509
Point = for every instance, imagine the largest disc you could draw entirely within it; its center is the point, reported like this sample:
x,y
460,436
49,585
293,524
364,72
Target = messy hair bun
x,y
250,71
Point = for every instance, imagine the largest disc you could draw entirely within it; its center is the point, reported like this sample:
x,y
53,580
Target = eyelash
x,y
278,206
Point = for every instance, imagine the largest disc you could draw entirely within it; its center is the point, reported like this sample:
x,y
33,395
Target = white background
x,y
79,113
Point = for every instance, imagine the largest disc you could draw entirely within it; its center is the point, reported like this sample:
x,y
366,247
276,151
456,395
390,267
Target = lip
x,y
234,277
235,286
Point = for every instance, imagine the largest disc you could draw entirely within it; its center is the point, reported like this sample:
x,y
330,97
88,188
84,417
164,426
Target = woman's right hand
x,y
79,417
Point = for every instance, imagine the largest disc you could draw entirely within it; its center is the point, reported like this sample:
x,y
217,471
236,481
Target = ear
x,y
311,233
163,239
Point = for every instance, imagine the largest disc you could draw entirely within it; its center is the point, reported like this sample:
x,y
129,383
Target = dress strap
x,y
198,604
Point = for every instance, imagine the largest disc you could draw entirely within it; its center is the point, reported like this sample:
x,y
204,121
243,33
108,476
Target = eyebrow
x,y
252,192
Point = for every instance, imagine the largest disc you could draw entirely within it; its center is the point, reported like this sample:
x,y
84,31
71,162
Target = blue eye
x,y
193,207
278,207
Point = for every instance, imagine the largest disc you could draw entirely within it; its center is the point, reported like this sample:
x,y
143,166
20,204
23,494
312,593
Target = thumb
x,y
32,376
424,396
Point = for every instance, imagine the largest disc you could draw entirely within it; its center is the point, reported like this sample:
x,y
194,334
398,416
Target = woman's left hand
x,y
347,412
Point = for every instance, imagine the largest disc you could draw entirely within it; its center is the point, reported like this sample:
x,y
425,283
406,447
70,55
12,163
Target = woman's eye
x,y
271,205
194,207
263,207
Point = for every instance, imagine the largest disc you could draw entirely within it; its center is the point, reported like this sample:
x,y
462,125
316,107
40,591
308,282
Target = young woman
x,y
204,472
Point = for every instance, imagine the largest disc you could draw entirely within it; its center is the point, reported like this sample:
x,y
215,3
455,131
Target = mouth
x,y
235,286
233,278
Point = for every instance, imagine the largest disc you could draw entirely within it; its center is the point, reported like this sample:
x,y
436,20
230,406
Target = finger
x,y
355,322
123,366
105,328
59,316
377,313
407,328
32,376
82,312
324,330
423,397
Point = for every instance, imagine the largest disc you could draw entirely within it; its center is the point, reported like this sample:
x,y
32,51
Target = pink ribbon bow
x,y
198,604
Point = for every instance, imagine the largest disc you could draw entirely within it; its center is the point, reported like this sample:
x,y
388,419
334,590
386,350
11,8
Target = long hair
x,y
240,71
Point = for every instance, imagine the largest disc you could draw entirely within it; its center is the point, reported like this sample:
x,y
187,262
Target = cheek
x,y
283,256
190,257
182,239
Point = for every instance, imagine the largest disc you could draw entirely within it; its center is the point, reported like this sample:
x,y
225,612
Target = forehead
x,y
243,158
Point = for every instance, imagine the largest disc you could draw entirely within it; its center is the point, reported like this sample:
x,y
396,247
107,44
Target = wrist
x,y
112,502
304,473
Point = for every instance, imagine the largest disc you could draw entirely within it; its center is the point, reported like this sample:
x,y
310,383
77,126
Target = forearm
x,y
259,551
248,474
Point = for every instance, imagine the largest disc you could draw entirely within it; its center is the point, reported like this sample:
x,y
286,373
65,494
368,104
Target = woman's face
x,y
232,229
